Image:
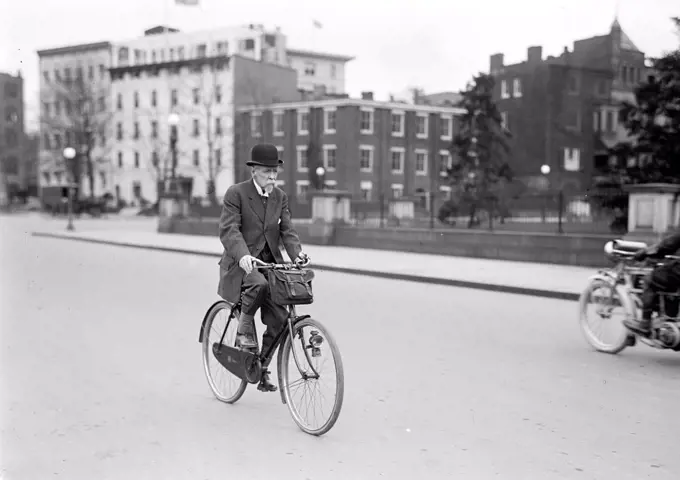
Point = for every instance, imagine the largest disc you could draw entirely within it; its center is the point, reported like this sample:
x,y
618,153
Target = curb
x,y
534,292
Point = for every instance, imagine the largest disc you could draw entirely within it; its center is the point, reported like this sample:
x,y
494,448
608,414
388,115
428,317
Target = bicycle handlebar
x,y
257,263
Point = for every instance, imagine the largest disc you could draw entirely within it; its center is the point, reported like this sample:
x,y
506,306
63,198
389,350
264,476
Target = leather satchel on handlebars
x,y
291,287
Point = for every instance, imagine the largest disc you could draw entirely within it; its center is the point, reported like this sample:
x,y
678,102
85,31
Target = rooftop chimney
x,y
496,63
534,55
367,95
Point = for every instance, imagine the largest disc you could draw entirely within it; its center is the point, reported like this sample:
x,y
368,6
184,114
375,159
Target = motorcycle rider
x,y
665,278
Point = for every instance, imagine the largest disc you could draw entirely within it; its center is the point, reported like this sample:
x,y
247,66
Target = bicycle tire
x,y
282,367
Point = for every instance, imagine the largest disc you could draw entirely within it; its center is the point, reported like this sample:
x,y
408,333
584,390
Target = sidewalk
x,y
545,280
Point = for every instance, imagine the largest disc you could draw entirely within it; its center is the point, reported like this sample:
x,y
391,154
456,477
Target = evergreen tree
x,y
653,122
480,149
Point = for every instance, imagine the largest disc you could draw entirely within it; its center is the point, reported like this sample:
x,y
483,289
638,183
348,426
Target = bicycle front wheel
x,y
302,366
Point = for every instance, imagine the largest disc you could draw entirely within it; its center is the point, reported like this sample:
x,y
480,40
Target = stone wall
x,y
580,250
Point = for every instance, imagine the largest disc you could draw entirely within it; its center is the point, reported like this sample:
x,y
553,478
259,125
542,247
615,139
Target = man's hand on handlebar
x,y
246,263
302,260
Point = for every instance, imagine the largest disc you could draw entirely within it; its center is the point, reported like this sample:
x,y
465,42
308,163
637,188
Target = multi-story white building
x,y
198,77
74,101
319,70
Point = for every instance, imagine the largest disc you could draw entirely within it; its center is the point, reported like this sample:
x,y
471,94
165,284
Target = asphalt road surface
x,y
102,379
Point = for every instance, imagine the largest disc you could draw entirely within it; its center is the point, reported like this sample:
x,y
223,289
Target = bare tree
x,y
157,146
81,119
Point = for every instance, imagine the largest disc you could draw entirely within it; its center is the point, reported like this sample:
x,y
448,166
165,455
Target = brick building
x,y
12,173
375,150
562,111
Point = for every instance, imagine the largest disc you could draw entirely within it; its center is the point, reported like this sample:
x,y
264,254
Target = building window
x,y
397,159
280,149
302,187
196,131
573,83
201,50
136,99
421,162
136,130
173,98
366,189
119,101
504,89
504,120
303,122
154,98
277,124
421,125
154,129
366,121
119,131
136,159
302,160
197,158
255,124
572,159
330,157
397,190
573,119
366,158
517,88
446,127
334,70
218,126
398,119
196,94
218,94
57,140
310,69
218,157
329,120
445,162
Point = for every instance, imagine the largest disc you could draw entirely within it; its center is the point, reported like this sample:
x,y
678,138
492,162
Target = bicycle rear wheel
x,y
314,348
221,321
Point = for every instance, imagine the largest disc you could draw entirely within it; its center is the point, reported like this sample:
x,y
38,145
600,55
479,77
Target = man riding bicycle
x,y
665,278
255,220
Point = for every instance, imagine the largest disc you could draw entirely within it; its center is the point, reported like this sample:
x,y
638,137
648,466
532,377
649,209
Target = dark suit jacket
x,y
244,228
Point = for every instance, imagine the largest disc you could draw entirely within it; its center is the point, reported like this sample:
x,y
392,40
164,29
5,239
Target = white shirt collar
x,y
259,189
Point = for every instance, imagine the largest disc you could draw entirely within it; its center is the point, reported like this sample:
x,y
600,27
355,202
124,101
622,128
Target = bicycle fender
x,y
205,319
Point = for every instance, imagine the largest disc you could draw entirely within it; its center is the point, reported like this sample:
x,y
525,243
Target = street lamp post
x,y
69,154
320,171
545,170
173,121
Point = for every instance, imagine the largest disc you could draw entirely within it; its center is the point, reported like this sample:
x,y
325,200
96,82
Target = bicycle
x,y
622,286
247,366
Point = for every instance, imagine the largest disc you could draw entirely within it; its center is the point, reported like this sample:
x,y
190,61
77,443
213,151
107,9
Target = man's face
x,y
265,177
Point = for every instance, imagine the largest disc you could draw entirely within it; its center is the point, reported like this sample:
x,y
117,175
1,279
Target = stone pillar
x,y
173,205
653,210
329,208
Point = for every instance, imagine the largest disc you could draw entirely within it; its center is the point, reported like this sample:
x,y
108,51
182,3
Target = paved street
x,y
102,379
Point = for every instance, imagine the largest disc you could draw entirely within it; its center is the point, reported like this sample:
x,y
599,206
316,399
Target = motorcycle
x,y
620,287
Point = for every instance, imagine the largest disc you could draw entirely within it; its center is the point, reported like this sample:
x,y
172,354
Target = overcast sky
x,y
434,44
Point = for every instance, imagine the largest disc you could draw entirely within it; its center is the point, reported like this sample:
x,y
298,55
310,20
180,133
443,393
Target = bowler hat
x,y
265,155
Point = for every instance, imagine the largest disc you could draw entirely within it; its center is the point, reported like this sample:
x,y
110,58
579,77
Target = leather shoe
x,y
246,340
641,327
265,385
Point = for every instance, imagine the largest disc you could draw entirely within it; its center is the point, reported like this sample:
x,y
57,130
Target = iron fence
x,y
587,212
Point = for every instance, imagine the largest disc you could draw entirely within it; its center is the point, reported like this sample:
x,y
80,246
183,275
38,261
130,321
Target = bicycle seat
x,y
624,247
